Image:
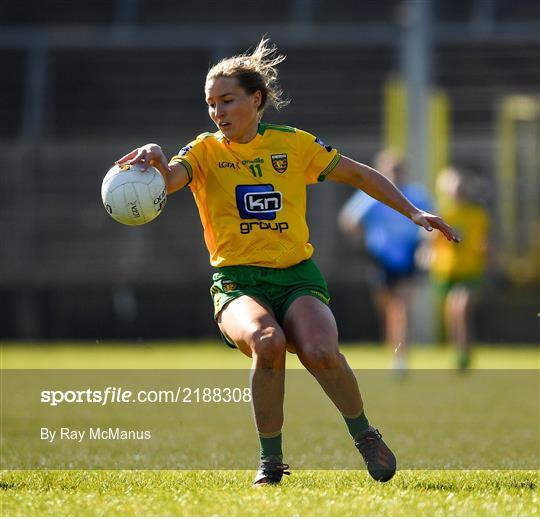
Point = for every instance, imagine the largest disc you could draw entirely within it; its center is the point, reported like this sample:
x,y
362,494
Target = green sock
x,y
464,360
270,444
356,424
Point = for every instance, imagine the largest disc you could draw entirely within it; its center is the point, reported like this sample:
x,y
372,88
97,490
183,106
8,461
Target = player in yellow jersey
x,y
249,182
458,272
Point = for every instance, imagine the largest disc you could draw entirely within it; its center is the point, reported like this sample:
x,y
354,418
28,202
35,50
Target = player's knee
x,y
321,354
268,345
320,358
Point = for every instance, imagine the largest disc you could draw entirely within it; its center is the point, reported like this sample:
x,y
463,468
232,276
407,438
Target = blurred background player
x,y
391,241
458,272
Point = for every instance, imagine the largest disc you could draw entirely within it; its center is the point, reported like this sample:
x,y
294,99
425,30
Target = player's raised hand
x,y
147,155
431,221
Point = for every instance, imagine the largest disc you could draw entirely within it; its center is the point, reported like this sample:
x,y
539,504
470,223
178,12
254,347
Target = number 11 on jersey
x,y
255,169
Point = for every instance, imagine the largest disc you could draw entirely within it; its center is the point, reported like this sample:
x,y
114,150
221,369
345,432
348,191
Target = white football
x,y
132,196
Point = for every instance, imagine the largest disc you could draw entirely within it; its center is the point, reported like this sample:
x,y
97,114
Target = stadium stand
x,y
213,12
12,88
57,13
491,72
104,94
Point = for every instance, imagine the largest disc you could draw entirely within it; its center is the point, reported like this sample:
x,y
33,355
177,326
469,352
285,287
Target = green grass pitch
x,y
229,492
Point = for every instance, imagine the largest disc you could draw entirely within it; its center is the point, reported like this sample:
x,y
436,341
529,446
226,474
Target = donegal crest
x,y
279,162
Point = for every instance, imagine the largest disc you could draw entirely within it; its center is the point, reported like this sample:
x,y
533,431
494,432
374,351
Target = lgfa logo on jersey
x,y
279,162
225,164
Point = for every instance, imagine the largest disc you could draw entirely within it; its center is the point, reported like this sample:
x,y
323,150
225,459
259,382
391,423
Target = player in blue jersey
x,y
391,241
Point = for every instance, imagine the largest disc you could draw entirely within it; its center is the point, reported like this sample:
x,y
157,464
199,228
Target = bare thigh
x,y
311,328
245,319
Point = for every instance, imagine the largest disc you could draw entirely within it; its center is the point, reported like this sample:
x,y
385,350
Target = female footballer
x,y
249,183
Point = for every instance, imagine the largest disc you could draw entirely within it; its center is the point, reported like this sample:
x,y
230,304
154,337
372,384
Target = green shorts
x,y
275,288
443,286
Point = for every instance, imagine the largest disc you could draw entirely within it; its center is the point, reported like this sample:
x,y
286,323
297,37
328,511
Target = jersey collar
x,y
253,142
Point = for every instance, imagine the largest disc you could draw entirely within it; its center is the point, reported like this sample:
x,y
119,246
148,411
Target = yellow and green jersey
x,y
252,197
466,260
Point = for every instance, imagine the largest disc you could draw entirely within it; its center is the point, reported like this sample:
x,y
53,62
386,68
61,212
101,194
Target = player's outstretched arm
x,y
175,175
379,187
